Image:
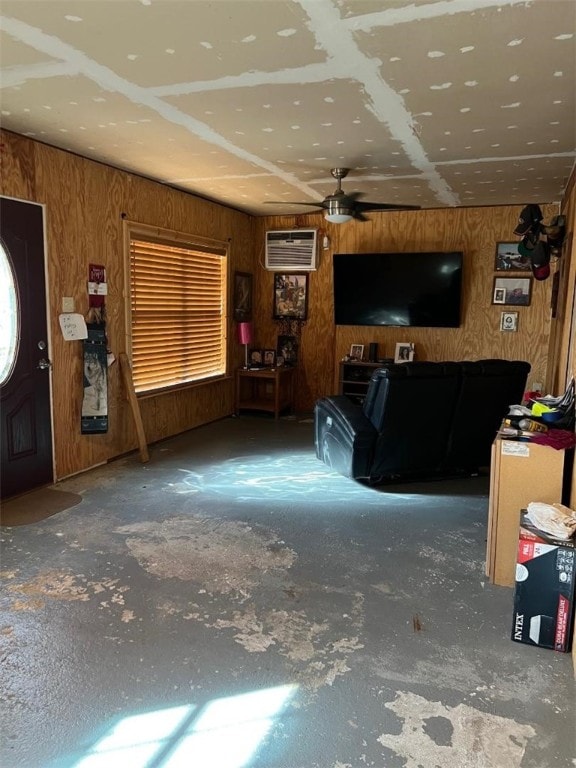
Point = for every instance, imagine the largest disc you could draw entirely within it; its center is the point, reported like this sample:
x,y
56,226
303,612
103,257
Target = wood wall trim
x,y
185,238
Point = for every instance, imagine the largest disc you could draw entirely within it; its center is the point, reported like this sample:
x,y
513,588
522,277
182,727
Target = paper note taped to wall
x,y
98,289
73,326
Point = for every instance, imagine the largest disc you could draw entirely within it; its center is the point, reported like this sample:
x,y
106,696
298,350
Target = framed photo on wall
x,y
509,259
509,321
512,290
499,296
242,296
290,296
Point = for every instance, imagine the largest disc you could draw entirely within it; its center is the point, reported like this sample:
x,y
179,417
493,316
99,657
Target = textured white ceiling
x,y
431,103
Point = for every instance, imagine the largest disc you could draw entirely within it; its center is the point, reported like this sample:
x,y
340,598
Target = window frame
x,y
136,230
10,347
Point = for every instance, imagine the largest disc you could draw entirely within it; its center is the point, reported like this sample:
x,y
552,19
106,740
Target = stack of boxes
x,y
544,589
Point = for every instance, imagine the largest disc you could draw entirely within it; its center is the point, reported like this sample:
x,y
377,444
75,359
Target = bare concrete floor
x,y
235,603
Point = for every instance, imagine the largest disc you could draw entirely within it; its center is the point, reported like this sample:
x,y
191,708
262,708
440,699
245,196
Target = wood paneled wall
x,y
475,231
84,205
562,349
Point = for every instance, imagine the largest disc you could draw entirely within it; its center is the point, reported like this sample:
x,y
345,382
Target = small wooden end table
x,y
265,389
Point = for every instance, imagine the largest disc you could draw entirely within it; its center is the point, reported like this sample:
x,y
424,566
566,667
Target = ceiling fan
x,y
340,206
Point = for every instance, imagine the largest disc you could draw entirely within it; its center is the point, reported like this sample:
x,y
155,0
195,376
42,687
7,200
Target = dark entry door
x,y
26,447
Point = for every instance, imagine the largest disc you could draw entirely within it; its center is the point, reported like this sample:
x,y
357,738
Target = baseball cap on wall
x,y
540,260
528,243
529,219
556,231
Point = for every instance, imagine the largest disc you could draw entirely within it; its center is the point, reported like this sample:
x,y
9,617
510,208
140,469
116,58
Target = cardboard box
x,y
519,473
544,590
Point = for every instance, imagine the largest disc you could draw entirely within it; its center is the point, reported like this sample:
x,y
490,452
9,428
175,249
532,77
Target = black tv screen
x,y
405,289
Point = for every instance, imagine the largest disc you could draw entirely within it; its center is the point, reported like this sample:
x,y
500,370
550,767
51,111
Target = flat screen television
x,y
403,289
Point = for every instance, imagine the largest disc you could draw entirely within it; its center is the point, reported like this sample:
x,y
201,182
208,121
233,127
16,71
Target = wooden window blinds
x,y
178,311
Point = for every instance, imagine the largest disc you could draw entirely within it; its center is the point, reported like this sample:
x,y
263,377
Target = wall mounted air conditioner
x,y
291,250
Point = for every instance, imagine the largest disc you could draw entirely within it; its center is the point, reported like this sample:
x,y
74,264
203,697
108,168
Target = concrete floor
x,y
235,603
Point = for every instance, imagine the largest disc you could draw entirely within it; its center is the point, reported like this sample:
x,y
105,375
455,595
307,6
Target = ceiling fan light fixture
x,y
337,218
336,211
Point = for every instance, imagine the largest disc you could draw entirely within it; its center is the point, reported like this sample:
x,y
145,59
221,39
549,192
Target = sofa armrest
x,y
343,437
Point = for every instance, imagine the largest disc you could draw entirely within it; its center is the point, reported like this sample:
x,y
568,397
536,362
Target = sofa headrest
x,y
494,367
424,369
431,369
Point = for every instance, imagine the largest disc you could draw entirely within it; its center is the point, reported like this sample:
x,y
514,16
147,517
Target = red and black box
x,y
544,591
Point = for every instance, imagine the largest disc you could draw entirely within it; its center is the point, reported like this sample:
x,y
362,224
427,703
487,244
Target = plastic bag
x,y
562,408
556,519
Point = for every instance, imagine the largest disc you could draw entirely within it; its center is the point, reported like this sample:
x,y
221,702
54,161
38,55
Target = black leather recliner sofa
x,y
419,420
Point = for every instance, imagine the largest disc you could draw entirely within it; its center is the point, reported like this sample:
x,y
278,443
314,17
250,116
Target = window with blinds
x,y
177,309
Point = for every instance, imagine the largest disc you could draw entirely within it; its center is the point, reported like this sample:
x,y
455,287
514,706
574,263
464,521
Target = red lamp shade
x,y
245,333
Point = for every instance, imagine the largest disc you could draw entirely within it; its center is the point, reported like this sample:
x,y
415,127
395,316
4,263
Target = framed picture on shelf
x,y
287,349
509,321
357,352
242,296
509,259
290,296
256,358
512,290
404,352
269,358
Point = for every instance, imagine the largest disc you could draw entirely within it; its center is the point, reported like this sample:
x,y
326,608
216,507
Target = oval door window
x,y
9,320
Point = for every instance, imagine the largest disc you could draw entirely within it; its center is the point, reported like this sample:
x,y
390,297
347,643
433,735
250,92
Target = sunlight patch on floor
x,y
225,733
290,477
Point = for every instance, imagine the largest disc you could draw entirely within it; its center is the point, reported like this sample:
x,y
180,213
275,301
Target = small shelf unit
x,y
354,379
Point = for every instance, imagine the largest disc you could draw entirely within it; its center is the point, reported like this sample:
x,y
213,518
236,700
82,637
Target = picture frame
x,y
509,259
404,352
287,349
515,291
242,300
509,321
357,352
499,296
269,358
256,358
290,296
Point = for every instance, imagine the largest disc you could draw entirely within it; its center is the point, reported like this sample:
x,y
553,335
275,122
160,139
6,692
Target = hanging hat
x,y
528,243
540,260
556,231
529,219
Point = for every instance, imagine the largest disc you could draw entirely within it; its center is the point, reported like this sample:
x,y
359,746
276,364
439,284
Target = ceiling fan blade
x,y
353,199
385,207
359,216
293,202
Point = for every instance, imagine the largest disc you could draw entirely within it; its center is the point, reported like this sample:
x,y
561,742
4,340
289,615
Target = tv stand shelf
x,y
354,378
